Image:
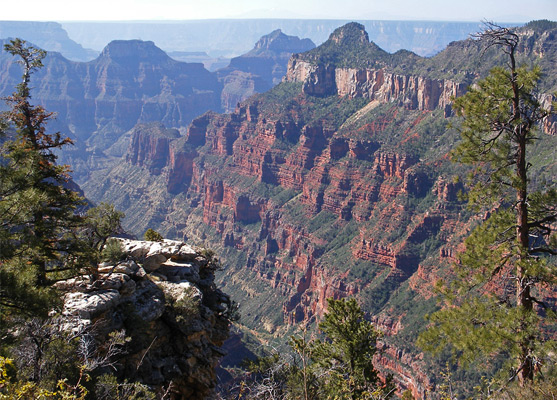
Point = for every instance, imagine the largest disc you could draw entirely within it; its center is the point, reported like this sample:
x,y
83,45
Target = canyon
x,y
336,182
134,81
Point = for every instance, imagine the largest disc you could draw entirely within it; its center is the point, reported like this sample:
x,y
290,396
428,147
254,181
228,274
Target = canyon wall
x,y
412,92
335,183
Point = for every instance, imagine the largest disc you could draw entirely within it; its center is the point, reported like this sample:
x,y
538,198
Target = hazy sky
x,y
446,10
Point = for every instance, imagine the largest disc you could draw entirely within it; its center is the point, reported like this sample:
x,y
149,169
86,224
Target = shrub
x,y
152,236
112,251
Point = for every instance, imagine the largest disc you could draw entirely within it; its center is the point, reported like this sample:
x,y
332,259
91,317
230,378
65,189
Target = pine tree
x,y
37,206
339,366
496,306
346,354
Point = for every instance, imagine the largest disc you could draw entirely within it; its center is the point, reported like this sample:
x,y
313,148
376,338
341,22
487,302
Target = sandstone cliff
x,y
412,92
165,299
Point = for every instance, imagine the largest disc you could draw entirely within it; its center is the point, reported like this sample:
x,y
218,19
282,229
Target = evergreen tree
x,y
339,367
37,206
152,236
346,355
496,306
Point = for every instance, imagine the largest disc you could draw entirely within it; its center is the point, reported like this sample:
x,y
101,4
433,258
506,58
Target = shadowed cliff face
x,y
335,183
130,82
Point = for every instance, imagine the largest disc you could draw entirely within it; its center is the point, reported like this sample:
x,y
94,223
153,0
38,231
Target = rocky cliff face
x,y
412,92
165,300
259,69
150,146
335,183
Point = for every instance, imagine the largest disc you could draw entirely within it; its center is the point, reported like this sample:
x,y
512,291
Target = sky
x,y
430,10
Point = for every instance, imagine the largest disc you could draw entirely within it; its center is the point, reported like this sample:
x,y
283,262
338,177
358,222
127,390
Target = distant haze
x,y
430,10
229,38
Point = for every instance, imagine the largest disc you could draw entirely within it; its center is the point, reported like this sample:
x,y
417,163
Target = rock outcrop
x,y
164,297
150,146
413,92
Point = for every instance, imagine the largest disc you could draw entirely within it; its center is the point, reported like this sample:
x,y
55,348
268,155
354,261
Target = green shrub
x,y
108,388
187,308
113,251
152,236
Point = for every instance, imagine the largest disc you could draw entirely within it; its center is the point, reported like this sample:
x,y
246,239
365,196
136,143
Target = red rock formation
x,y
149,146
180,166
410,370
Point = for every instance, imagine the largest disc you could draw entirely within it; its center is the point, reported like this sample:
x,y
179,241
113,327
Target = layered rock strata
x,y
413,92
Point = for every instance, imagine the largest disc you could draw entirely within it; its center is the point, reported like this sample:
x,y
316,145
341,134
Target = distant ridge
x,y
234,37
47,35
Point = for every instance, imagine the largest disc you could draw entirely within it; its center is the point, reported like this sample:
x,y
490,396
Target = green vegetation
x,y
37,209
45,236
112,251
338,366
349,46
152,236
187,307
495,306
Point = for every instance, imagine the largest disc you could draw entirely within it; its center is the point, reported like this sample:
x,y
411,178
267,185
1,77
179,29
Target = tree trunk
x,y
523,298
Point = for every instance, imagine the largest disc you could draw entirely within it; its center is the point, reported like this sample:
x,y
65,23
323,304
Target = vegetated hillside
x,y
334,183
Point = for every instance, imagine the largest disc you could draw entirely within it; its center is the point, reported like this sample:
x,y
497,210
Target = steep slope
x,y
334,183
259,69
